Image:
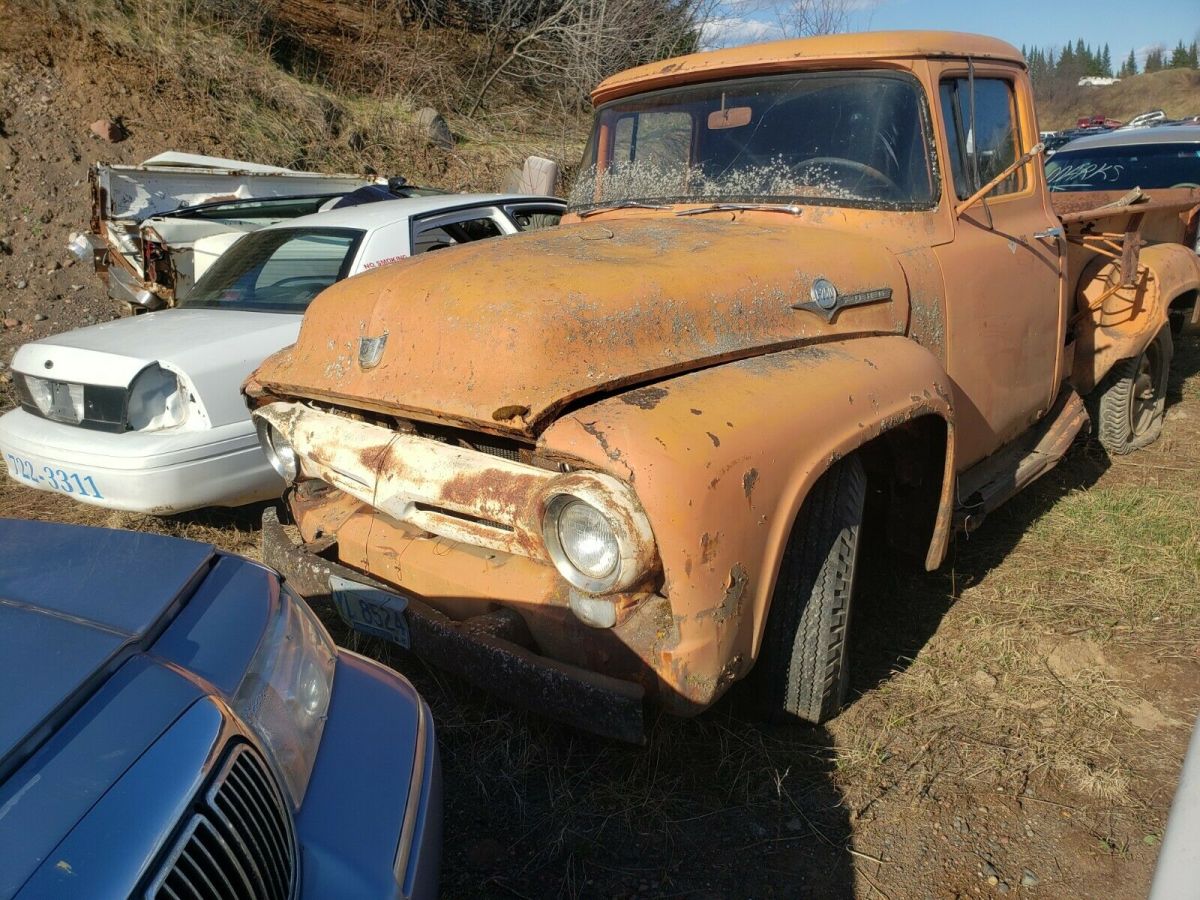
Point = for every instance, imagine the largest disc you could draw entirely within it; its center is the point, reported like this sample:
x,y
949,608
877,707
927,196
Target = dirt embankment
x,y
1175,91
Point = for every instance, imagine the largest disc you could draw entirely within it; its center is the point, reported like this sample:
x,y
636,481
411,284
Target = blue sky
x,y
1122,24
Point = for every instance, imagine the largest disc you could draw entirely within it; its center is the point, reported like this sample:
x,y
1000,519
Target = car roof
x,y
802,53
388,212
1133,137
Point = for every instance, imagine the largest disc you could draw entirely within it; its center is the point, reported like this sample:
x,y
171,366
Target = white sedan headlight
x,y
156,400
284,695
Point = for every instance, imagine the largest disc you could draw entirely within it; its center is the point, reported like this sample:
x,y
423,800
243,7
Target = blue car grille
x,y
239,843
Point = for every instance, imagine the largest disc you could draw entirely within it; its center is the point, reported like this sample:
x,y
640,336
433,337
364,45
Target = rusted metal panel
x,y
826,50
584,699
457,493
543,319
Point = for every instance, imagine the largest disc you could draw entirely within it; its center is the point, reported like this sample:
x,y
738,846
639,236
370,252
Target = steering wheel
x,y
1185,184
851,165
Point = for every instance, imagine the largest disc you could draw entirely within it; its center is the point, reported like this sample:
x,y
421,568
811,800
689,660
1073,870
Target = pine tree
x,y
1106,63
1129,67
1193,58
1154,60
1180,58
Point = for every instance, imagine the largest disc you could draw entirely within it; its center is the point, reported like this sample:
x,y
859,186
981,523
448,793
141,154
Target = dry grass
x,y
1175,91
227,74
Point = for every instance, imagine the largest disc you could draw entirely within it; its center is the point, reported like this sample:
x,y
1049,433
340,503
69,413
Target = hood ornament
x,y
826,302
370,350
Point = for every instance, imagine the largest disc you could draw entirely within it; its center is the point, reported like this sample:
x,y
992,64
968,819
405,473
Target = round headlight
x,y
280,453
582,542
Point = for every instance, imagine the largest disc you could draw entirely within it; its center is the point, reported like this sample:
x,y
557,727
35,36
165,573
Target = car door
x,y
1003,268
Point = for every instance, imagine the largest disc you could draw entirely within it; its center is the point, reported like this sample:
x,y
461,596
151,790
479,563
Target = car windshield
x,y
847,139
1124,168
276,270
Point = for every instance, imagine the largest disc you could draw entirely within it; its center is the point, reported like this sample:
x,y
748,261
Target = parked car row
x,y
144,413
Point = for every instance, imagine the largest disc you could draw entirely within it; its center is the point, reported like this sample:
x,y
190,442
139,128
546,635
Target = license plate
x,y
371,610
65,481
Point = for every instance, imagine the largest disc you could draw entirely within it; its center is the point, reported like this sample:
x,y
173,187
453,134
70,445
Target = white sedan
x,y
145,413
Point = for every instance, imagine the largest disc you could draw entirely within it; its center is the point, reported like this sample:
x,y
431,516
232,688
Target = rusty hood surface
x,y
501,334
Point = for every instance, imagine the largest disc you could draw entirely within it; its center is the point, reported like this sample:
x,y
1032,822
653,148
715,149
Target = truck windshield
x,y
845,138
276,270
1124,168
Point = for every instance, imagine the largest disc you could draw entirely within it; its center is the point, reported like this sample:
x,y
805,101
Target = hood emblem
x,y
370,350
826,302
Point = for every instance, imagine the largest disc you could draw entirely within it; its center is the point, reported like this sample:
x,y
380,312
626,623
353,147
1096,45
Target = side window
x,y
438,237
534,218
976,158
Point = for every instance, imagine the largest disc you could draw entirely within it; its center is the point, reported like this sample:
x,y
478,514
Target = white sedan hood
x,y
214,349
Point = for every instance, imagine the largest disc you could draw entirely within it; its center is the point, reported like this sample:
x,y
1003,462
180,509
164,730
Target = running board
x,y
987,484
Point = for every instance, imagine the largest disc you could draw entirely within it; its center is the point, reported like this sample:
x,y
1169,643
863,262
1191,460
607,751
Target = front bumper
x,y
583,699
158,474
375,795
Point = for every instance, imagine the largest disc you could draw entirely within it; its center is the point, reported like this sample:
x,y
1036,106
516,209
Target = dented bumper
x,y
479,651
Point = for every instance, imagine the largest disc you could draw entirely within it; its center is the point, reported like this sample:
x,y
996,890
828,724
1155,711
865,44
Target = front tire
x,y
803,669
1133,398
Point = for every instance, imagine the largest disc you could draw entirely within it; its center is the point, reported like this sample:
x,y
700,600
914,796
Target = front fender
x,y
1117,324
721,461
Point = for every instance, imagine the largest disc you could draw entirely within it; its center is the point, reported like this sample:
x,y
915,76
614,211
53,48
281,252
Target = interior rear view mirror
x,y
729,117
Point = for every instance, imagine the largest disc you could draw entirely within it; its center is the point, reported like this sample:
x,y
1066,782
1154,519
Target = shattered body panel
x,y
693,370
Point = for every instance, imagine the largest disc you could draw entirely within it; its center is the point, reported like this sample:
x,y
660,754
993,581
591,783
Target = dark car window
x,y
1124,168
276,270
533,218
451,233
975,159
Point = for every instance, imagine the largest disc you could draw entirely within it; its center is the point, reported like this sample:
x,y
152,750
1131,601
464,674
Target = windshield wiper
x,y
623,204
790,208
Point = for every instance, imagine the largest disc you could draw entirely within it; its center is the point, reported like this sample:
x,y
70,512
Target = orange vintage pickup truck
x,y
627,459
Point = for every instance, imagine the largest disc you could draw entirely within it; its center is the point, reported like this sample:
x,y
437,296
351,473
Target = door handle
x,y
1056,232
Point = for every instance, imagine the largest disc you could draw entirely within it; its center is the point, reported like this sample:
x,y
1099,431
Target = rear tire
x,y
1133,397
802,664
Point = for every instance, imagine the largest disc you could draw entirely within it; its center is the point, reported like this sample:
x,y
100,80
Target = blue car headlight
x,y
284,695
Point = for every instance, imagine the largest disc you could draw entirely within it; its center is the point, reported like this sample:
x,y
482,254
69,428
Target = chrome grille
x,y
238,845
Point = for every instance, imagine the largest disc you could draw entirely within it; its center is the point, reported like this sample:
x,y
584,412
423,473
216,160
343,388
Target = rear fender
x,y
723,458
1121,325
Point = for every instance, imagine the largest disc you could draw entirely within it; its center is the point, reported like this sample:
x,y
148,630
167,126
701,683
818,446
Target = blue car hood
x,y
74,604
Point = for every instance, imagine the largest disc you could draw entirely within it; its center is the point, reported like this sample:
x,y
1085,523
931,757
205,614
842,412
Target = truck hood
x,y
67,619
215,349
501,334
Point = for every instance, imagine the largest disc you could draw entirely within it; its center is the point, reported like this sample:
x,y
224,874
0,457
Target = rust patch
x,y
731,603
712,437
645,398
602,439
708,547
697,412
748,481
513,411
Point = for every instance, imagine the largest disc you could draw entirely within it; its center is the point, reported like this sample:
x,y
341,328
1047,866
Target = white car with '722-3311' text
x,y
144,413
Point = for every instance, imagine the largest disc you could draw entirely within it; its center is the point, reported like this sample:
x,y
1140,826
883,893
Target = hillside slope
x,y
1175,91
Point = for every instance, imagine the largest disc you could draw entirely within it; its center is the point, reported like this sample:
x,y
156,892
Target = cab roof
x,y
780,56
